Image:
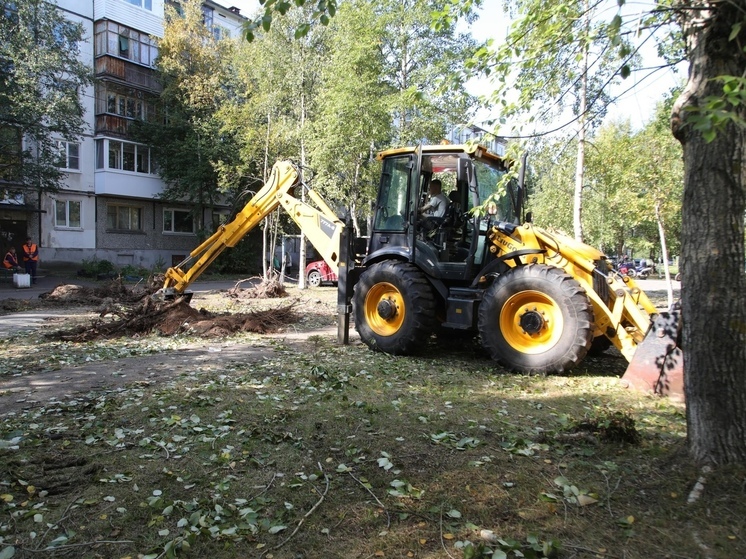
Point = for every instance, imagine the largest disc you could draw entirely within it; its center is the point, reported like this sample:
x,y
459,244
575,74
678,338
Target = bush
x,y
95,267
130,271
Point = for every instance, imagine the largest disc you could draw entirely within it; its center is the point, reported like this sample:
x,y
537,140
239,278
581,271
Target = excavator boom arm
x,y
321,226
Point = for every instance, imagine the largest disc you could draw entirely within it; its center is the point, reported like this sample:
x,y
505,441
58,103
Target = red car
x,y
319,272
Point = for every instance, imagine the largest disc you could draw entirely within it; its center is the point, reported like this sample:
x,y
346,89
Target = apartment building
x,y
465,133
109,206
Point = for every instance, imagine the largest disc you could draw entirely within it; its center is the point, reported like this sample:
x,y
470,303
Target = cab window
x,y
392,200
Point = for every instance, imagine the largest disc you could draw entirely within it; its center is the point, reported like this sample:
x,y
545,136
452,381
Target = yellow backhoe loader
x,y
539,301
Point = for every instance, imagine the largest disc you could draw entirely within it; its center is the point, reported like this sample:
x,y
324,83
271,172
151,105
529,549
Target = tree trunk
x,y
664,251
577,216
712,244
302,250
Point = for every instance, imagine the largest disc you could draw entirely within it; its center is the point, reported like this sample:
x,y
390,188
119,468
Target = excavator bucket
x,y
658,363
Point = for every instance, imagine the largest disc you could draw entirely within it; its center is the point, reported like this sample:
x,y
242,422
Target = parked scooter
x,y
643,271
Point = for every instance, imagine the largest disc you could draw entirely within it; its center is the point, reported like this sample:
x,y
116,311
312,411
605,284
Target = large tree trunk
x,y
712,244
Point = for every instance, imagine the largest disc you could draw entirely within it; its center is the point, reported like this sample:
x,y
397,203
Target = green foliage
x,y
93,267
610,426
423,68
322,12
192,144
503,548
543,60
39,86
627,174
352,114
714,112
245,258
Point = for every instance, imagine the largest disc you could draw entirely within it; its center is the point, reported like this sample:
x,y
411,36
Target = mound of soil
x,y
169,318
70,295
112,291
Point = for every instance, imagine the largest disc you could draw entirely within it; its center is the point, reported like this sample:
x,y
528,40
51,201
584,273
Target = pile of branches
x,y
269,289
169,318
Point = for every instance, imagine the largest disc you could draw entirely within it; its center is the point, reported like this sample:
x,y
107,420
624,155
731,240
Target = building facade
x,y
109,206
471,133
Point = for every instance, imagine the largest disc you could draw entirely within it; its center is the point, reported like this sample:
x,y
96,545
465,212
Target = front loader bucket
x,y
658,363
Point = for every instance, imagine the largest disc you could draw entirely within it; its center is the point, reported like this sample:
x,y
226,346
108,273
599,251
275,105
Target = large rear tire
x,y
394,308
536,318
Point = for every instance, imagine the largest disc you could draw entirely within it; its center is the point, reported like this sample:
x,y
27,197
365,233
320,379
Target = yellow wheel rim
x,y
384,309
531,322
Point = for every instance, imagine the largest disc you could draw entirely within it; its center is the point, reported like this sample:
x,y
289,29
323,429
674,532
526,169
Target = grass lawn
x,y
319,451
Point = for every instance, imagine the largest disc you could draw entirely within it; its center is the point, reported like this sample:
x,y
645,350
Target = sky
x,y
638,96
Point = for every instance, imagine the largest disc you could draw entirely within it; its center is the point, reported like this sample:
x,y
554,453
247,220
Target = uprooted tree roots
x,y
134,311
269,289
174,317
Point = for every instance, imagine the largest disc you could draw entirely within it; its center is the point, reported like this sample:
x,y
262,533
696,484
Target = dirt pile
x,y
70,295
170,317
115,290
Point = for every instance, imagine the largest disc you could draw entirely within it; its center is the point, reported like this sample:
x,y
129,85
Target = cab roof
x,y
474,150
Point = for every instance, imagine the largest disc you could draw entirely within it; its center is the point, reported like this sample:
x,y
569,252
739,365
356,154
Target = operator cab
x,y
451,245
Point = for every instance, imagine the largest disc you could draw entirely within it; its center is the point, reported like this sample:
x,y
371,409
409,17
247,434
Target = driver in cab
x,y
437,203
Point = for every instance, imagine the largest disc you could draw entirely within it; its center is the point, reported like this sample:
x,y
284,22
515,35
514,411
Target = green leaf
x,y
625,71
735,30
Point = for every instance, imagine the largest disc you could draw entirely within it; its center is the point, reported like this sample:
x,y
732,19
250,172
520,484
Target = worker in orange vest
x,y
11,260
30,258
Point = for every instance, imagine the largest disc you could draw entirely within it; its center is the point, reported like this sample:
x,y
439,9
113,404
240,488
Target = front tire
x,y
536,318
394,308
314,278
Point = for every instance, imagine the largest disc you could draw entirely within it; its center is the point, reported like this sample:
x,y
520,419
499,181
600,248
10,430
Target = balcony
x,y
127,73
113,125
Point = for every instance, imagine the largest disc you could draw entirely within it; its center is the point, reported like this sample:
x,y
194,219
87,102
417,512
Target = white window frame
x,y
173,212
129,208
67,207
144,4
123,156
63,149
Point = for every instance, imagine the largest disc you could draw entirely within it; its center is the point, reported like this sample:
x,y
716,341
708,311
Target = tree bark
x,y
714,283
577,216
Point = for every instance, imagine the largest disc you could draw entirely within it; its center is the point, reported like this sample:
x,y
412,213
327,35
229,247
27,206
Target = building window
x,y
127,218
125,42
115,155
218,219
219,32
147,4
67,214
124,46
131,103
207,16
125,156
68,155
177,221
128,156
143,160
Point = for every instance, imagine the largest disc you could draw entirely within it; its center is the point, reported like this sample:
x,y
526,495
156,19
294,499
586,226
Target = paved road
x,y
48,283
